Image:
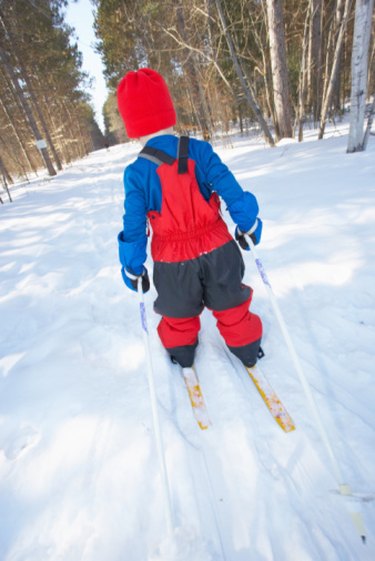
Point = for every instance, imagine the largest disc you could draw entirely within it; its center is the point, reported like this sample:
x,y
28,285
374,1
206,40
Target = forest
x,y
265,63
46,118
264,67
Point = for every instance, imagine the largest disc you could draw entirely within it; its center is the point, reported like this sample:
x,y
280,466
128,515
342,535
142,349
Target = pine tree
x,y
42,89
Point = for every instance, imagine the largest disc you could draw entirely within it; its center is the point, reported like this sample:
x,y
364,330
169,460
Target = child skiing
x,y
174,186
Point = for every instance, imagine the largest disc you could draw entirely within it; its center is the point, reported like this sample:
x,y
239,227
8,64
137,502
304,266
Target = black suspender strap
x,y
183,154
159,157
156,156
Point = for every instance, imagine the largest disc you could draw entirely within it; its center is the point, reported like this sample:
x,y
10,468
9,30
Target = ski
x,y
270,398
196,398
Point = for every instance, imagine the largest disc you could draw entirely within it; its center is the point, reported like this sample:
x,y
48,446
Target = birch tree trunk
x,y
280,78
360,54
248,94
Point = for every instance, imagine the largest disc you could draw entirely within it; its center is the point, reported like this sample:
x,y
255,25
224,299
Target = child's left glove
x,y
131,280
255,234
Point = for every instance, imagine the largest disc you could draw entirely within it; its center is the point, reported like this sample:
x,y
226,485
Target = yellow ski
x,y
274,405
196,398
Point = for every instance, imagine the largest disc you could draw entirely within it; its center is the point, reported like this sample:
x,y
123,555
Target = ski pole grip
x,y
142,307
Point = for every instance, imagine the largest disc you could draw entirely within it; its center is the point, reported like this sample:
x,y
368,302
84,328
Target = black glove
x,y
131,280
255,234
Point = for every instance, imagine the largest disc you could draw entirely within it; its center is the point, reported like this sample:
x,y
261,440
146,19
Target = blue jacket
x,y
143,194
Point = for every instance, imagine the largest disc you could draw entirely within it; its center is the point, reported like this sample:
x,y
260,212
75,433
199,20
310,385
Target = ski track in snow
x,y
79,477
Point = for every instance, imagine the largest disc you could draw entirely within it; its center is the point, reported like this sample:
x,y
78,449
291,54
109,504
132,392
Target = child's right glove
x,y
255,234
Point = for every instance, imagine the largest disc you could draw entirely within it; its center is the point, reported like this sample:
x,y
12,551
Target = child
x,y
175,184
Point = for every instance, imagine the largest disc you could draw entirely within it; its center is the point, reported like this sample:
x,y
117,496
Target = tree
x,y
280,77
362,31
214,56
314,66
369,124
248,94
42,88
5,178
26,108
333,75
303,80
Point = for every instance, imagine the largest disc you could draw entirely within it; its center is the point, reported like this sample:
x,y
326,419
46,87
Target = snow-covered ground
x,y
79,477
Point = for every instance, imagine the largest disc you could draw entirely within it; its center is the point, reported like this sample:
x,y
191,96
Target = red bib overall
x,y
196,264
187,225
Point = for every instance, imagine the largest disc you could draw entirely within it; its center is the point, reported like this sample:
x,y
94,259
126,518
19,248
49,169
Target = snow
x,y
79,476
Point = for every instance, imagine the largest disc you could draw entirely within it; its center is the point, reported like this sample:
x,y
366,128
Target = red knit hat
x,y
145,103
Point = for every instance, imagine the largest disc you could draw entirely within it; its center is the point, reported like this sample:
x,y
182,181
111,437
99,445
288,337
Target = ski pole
x,y
155,413
344,488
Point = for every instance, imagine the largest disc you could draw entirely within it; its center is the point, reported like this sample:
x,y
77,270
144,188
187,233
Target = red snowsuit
x,y
196,264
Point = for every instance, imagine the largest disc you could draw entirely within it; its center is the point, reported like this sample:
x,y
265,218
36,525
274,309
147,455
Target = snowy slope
x,y
79,477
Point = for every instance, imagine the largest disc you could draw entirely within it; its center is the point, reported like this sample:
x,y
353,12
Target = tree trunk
x,y
19,139
334,71
314,67
42,120
303,80
248,94
336,105
361,42
5,178
267,72
335,25
369,124
70,131
193,74
279,66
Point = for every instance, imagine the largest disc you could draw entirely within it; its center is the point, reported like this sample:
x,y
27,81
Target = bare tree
x,y
303,80
191,65
280,77
360,54
314,66
334,70
248,94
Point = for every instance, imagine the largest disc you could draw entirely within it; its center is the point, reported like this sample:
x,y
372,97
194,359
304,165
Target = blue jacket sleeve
x,y
133,240
242,205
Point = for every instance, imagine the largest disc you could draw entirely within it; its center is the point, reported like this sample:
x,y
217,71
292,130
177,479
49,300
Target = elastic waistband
x,y
191,234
